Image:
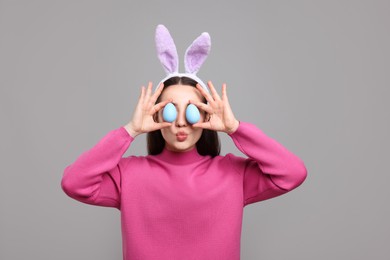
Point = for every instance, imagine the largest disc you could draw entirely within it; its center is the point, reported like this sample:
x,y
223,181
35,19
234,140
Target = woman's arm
x,y
95,176
270,170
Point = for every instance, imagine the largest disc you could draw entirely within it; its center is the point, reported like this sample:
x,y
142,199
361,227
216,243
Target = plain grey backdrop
x,y
314,75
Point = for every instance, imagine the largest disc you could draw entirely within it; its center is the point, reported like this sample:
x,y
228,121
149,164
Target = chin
x,y
181,147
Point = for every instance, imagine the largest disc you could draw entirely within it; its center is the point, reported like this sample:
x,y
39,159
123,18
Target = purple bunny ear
x,y
197,53
166,50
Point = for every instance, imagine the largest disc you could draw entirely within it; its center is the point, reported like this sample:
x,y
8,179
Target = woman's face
x,y
181,136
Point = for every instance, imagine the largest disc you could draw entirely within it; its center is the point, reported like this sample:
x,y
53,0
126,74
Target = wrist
x,y
130,130
234,127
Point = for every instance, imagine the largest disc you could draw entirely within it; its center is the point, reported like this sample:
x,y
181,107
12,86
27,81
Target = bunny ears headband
x,y
194,56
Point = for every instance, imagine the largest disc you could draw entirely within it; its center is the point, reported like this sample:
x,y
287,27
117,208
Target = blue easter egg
x,y
169,113
192,114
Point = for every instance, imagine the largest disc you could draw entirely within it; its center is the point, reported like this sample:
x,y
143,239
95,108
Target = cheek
x,y
197,134
166,132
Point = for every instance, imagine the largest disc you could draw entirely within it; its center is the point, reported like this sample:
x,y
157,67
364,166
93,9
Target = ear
x,y
197,53
166,50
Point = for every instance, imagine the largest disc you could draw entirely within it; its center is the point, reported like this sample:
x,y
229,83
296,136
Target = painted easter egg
x,y
192,114
169,113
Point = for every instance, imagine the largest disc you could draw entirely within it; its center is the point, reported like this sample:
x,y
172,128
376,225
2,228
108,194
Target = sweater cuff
x,y
123,132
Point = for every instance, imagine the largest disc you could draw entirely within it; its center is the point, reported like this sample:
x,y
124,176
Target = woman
x,y
183,200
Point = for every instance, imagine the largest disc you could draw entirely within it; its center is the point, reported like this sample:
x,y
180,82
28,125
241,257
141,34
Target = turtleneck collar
x,y
180,158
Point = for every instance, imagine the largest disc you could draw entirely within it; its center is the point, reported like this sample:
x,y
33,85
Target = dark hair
x,y
208,143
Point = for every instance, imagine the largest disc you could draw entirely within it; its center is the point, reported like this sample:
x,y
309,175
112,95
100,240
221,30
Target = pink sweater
x,y
182,205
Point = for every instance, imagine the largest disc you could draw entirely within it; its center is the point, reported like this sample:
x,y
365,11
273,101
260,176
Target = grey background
x,y
314,75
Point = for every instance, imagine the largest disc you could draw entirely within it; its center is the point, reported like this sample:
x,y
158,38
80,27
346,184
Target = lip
x,y
181,136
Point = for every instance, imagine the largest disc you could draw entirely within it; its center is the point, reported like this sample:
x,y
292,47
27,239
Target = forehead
x,y
181,93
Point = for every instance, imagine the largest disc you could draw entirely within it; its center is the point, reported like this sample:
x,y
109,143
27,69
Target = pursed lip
x,y
181,133
181,136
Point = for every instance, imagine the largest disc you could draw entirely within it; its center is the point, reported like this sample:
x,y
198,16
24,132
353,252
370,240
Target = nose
x,y
181,118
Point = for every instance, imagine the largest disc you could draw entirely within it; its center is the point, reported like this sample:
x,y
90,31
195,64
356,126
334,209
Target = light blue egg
x,y
192,114
169,113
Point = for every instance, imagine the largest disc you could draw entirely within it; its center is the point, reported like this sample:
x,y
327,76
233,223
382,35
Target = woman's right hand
x,y
142,121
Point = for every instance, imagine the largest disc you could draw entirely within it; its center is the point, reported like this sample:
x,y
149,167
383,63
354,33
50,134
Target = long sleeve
x,y
95,177
270,169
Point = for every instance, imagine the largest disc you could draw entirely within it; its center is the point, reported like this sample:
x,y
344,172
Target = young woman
x,y
179,203
183,200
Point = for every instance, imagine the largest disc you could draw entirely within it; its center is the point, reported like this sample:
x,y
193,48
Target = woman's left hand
x,y
220,115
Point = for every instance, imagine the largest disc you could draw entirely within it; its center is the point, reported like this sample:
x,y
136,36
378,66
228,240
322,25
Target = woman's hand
x,y
220,115
142,120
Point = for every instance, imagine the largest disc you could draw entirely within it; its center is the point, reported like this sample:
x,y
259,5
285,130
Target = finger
x,y
204,93
202,106
141,96
224,92
163,125
204,125
157,93
149,89
160,105
215,93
